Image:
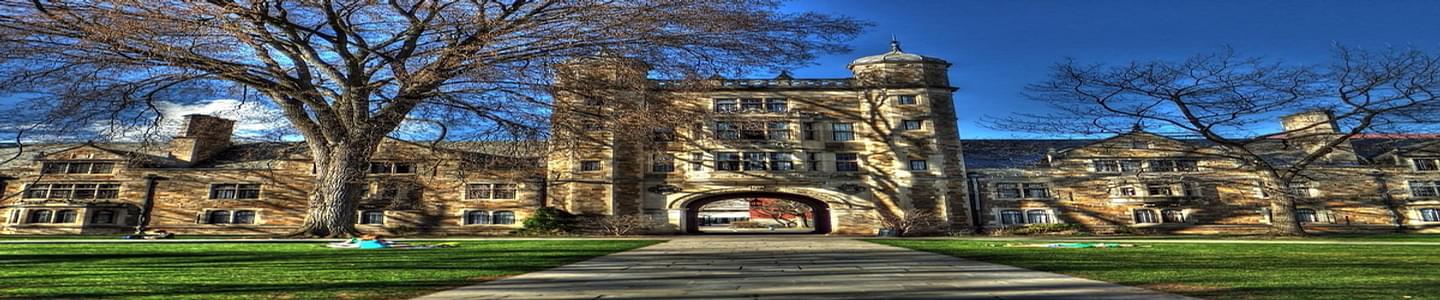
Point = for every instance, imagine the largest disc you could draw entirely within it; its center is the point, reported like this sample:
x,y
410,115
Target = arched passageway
x,y
818,218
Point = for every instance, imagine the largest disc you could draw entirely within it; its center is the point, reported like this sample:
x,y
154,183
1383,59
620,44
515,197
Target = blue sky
x,y
997,47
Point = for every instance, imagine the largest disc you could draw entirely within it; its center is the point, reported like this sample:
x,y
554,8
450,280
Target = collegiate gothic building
x,y
879,146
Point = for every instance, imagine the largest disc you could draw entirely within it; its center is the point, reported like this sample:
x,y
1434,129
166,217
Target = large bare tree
x,y
1229,100
346,74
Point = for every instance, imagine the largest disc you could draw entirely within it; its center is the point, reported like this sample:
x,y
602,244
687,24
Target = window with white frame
x,y
372,217
697,161
755,161
1018,190
1146,216
1127,191
39,216
238,217
1430,215
1008,190
1011,217
66,216
503,217
589,165
841,132
1171,215
1159,189
72,191
482,191
1429,164
77,168
235,191
776,105
1037,216
1422,188
477,217
906,100
912,124
1116,166
919,165
782,161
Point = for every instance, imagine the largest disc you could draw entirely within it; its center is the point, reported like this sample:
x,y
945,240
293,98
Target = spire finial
x,y
894,44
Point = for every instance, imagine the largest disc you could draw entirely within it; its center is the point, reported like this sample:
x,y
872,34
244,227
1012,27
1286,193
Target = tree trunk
x,y
1282,209
339,184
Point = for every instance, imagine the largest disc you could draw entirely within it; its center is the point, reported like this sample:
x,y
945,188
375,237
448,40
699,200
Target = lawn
x,y
1228,271
273,270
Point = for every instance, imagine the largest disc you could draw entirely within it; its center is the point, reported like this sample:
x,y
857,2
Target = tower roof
x,y
896,56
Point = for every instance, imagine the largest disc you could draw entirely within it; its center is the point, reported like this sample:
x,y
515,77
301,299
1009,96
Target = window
x,y
1037,216
1036,190
235,191
750,104
243,217
1426,164
781,161
1127,191
1171,215
1011,217
1139,145
843,132
503,217
104,216
1007,190
726,105
1429,215
697,161
1116,166
727,161
218,217
39,216
1425,188
65,216
906,100
813,159
589,165
662,163
1156,189
77,168
847,162
1299,190
477,217
727,131
664,134
1187,165
372,217
919,165
755,161
1172,165
391,168
777,131
911,124
1129,166
1145,216
775,105
72,191
476,191
1306,215
808,130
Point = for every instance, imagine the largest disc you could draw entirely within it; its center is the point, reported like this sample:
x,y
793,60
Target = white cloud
x,y
251,118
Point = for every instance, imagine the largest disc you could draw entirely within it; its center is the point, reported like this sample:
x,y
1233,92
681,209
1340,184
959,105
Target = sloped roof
x,y
1012,153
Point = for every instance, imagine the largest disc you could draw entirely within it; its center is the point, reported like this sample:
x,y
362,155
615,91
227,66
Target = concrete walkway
x,y
781,267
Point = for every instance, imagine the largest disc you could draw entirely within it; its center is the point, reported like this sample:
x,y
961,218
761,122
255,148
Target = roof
x,y
1012,153
896,56
257,154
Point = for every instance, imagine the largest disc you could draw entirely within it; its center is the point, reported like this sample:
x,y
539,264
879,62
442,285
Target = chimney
x,y
201,138
1315,122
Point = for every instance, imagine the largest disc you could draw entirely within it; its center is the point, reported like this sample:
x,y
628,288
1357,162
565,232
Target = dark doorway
x,y
817,218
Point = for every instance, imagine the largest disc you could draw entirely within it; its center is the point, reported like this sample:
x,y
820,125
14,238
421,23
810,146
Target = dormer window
x,y
77,168
1426,164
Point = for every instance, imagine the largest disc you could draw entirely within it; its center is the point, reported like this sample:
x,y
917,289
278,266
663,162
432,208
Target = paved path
x,y
789,268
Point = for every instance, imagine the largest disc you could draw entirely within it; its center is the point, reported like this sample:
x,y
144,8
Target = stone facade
x,y
881,145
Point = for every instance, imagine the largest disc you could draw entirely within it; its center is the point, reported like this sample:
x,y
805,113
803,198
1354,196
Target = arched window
x,y
1011,217
372,217
1173,215
1429,215
503,217
104,216
243,217
218,217
477,217
1306,215
66,216
1145,216
39,216
1036,216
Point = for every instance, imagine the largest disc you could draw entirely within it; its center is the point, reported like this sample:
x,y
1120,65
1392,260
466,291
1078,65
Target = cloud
x,y
252,119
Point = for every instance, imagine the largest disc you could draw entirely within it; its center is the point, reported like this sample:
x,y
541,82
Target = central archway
x,y
820,209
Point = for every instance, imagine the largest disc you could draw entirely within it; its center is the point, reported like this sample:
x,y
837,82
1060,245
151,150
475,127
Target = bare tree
x,y
1227,100
785,211
346,74
911,221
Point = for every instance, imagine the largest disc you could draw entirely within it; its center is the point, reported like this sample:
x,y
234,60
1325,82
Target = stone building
x,y
880,145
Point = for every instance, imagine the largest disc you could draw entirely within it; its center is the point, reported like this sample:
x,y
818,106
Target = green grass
x,y
1228,271
1375,237
273,270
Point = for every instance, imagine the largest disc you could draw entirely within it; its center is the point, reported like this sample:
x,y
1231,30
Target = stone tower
x,y
591,169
